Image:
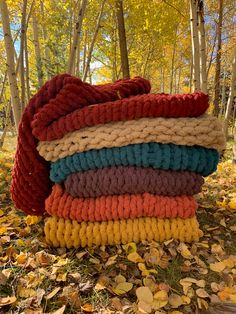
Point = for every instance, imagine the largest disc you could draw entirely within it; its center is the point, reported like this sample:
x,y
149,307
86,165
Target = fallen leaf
x,y
122,288
135,258
175,300
217,267
52,293
202,293
144,307
144,294
88,308
7,301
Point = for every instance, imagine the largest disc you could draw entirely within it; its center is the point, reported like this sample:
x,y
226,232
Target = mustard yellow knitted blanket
x,y
205,131
71,234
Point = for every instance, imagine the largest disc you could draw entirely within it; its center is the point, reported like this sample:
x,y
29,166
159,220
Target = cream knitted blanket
x,y
205,131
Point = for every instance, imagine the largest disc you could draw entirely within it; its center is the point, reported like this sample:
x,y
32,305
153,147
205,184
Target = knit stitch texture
x,y
132,180
104,208
71,234
163,156
205,131
58,97
49,125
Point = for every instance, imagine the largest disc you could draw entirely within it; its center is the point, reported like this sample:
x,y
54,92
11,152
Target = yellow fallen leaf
x,y
160,299
32,220
3,230
111,260
145,271
120,279
150,282
130,247
176,312
185,299
202,293
102,282
217,267
1,212
135,258
25,292
88,308
201,283
184,251
52,293
202,304
21,258
175,300
7,301
144,294
232,204
144,307
122,288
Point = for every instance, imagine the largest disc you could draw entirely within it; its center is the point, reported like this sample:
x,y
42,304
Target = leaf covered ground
x,y
171,277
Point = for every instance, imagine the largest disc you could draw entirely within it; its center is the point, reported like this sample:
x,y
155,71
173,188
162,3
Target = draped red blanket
x,y
30,177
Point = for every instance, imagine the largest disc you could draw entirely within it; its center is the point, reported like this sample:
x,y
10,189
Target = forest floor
x,y
171,277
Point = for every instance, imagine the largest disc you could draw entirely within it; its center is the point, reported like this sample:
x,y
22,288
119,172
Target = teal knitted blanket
x,y
163,156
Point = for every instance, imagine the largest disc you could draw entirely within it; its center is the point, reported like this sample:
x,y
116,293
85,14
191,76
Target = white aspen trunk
x,y
45,37
195,45
173,62
231,95
202,43
234,145
27,70
22,53
11,72
76,36
89,56
84,51
6,125
37,50
122,39
223,94
218,60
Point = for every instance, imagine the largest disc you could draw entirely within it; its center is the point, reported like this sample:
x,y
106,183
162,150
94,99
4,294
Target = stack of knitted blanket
x,y
112,163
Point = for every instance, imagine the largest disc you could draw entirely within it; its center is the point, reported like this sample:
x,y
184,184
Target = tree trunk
x,y
234,145
8,109
37,50
45,37
223,95
218,61
85,51
76,38
202,43
231,95
195,45
173,61
89,56
9,47
122,39
27,70
22,53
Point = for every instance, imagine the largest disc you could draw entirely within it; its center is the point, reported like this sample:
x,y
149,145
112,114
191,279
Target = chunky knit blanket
x,y
114,207
205,131
65,104
158,156
132,180
71,234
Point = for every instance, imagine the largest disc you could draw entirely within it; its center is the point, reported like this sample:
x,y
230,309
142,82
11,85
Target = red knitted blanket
x,y
65,104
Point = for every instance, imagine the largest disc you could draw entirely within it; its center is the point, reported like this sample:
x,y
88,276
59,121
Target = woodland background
x,y
102,41
181,46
